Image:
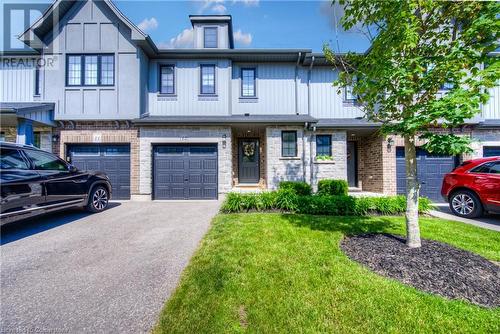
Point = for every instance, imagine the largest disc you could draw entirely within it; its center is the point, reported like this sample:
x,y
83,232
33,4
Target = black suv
x,y
33,181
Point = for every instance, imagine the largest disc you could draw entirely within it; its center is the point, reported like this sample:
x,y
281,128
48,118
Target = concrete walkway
x,y
488,221
111,272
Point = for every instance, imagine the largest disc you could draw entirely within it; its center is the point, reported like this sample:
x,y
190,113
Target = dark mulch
x,y
435,267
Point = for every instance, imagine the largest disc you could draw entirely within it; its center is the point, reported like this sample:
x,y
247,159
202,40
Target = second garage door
x,y
430,170
185,172
491,151
114,160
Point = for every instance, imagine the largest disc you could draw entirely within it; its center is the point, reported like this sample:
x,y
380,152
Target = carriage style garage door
x,y
491,151
185,171
430,170
114,160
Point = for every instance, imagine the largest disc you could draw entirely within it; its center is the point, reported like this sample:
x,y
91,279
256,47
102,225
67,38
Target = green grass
x,y
274,273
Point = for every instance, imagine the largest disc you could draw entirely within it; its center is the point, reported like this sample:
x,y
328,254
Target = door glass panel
x,y
46,161
12,159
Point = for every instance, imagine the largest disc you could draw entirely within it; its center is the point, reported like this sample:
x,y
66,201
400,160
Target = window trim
x,y
254,69
283,146
82,69
329,144
201,79
174,80
216,37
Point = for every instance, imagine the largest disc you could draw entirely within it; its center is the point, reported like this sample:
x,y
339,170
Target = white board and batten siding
x,y
91,27
17,79
187,100
491,110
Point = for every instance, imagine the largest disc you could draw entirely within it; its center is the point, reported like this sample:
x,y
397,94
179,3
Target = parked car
x,y
33,182
473,187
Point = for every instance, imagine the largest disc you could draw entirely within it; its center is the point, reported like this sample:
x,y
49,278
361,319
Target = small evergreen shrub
x,y
299,187
332,187
327,205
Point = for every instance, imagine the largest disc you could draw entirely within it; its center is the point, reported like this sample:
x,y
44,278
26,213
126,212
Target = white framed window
x,y
207,79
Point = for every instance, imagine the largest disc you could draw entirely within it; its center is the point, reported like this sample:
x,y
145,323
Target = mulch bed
x,y
435,267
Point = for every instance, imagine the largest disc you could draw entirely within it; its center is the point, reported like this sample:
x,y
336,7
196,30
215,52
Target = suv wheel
x,y
464,203
98,199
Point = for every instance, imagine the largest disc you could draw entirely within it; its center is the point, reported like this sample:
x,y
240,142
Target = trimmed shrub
x,y
332,187
287,200
327,205
299,187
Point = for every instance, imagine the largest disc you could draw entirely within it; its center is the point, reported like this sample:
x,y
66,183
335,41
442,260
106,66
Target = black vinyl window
x,y
167,79
323,145
248,82
90,70
207,79
289,143
210,37
37,80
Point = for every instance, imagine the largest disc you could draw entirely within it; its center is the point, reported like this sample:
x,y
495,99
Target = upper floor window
x,y
323,145
167,80
37,81
248,82
349,95
289,143
210,37
90,70
207,79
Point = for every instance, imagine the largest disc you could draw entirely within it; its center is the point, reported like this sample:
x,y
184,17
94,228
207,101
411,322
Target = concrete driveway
x,y
111,272
489,221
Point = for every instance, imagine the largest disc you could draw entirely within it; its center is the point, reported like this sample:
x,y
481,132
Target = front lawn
x,y
266,273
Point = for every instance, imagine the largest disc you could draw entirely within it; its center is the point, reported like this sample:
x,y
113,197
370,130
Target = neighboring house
x,y
194,123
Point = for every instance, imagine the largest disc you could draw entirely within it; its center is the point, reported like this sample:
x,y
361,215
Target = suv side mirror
x,y
72,169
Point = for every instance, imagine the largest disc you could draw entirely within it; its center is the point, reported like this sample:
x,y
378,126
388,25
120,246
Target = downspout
x,y
309,74
297,84
311,164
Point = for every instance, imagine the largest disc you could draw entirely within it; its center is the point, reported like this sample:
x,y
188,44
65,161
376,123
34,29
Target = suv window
x,y
495,168
46,161
12,159
489,168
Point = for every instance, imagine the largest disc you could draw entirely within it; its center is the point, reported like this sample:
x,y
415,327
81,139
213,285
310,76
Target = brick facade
x,y
101,133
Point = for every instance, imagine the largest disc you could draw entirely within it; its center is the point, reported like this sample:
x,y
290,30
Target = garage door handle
x,y
423,182
186,179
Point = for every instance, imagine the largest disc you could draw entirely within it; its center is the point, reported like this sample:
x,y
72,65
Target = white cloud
x,y
248,3
182,41
219,9
219,6
148,24
242,38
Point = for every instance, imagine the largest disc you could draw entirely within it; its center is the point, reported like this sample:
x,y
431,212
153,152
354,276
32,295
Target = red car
x,y
473,187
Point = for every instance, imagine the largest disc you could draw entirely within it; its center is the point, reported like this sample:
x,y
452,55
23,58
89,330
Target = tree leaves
x,y
420,46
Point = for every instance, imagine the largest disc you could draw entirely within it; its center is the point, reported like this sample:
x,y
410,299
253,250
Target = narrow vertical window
x,y
210,37
167,79
90,70
37,80
207,79
323,145
74,70
289,143
107,70
248,82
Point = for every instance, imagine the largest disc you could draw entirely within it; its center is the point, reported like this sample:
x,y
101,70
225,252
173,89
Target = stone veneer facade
x,y
337,167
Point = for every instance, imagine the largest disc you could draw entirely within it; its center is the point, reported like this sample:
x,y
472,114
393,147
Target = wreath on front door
x,y
249,149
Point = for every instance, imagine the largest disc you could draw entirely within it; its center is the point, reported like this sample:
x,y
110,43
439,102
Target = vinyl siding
x,y
91,27
17,79
187,100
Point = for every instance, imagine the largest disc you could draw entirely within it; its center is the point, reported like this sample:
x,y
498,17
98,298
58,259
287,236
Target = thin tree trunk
x,y
412,193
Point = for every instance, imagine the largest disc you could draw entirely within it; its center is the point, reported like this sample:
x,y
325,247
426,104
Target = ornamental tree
x,y
418,47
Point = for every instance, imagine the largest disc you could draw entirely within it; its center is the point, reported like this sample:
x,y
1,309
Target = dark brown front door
x,y
352,164
248,161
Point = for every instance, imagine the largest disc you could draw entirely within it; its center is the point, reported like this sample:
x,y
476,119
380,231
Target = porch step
x,y
247,188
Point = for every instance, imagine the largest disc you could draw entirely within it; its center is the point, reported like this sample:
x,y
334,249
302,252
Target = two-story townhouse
x,y
195,123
